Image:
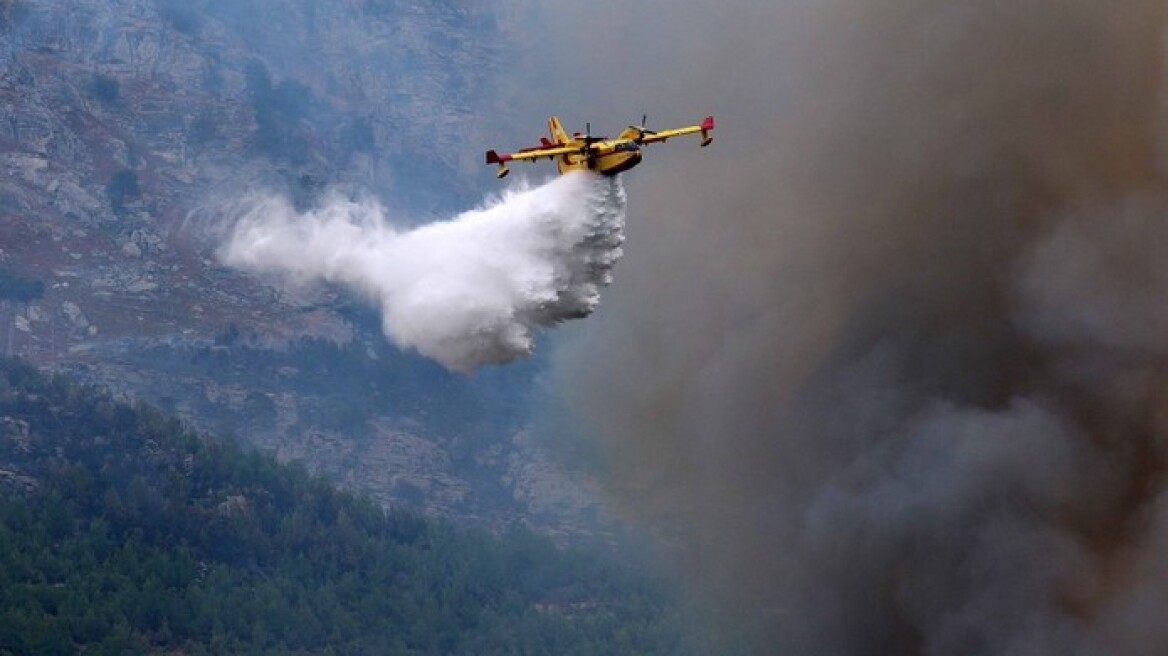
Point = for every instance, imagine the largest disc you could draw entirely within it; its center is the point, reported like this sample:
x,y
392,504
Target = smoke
x,y
888,363
466,292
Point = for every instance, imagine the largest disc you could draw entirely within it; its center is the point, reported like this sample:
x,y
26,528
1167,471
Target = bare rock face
x,y
124,123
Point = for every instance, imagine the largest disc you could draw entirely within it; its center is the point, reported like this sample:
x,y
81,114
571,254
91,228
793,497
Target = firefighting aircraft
x,y
600,154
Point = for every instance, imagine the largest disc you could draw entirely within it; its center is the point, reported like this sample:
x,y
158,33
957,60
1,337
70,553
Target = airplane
x,y
600,154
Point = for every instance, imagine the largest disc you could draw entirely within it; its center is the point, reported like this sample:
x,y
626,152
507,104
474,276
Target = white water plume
x,y
466,292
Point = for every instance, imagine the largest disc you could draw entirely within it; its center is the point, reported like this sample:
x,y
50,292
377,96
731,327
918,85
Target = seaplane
x,y
600,154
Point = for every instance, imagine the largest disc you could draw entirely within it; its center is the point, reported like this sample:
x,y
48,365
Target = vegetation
x,y
105,88
12,12
180,15
15,287
279,112
352,391
121,532
338,387
204,127
357,137
122,187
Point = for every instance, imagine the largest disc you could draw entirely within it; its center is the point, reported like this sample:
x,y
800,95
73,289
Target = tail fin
x,y
559,134
501,160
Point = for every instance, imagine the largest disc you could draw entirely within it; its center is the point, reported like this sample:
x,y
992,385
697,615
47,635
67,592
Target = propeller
x,y
588,138
641,130
587,148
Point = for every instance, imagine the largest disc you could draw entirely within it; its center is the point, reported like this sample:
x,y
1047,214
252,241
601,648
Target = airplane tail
x,y
559,134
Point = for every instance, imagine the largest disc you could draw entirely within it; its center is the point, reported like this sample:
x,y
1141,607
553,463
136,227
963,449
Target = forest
x,y
123,532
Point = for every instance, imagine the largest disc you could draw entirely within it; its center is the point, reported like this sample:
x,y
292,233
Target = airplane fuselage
x,y
583,152
624,157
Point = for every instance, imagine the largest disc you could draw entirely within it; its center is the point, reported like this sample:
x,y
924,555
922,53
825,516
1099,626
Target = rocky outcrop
x,y
123,123
124,127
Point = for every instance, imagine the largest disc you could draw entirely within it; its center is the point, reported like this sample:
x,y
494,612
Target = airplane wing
x,y
536,153
526,153
705,128
595,147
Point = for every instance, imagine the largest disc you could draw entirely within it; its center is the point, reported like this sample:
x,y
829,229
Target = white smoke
x,y
466,292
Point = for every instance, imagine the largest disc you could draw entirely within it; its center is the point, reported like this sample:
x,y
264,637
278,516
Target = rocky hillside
x,y
125,123
120,533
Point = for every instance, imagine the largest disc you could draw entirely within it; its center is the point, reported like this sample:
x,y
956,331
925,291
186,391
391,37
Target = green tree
x,y
122,187
105,89
15,287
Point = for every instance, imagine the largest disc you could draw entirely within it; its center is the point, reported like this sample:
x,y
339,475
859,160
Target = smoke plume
x,y
466,292
888,363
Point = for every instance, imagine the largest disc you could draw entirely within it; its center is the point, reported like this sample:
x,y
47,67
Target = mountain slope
x,y
124,125
118,530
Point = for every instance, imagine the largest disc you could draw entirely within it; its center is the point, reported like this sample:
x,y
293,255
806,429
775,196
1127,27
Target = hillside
x,y
121,531
124,127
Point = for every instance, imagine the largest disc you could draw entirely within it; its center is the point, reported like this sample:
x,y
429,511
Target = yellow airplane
x,y
600,154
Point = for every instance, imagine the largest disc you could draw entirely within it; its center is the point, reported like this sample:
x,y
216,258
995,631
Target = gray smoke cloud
x,y
468,291
887,363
